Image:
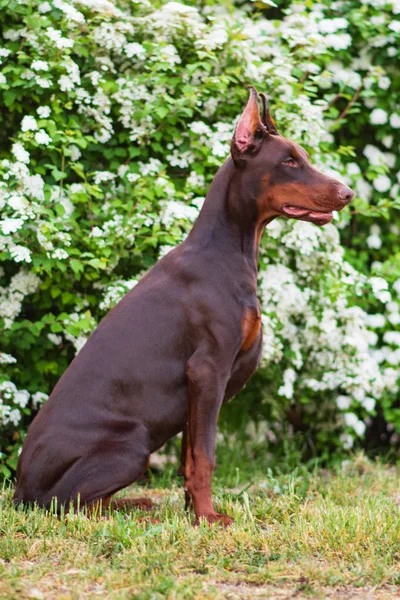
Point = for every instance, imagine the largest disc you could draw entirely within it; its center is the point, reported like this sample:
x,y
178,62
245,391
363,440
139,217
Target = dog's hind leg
x,y
111,465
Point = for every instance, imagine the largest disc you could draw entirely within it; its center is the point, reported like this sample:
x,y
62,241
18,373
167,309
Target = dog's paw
x,y
212,518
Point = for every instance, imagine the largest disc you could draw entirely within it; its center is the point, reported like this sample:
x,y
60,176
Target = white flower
x,y
339,41
374,155
163,250
394,318
395,121
352,420
132,177
178,210
60,254
14,417
200,128
21,398
220,149
116,291
29,124
368,404
378,116
198,202
332,25
8,389
122,169
135,49
347,441
170,55
390,159
195,180
363,188
396,287
353,169
34,185
392,337
101,176
392,307
96,232
43,112
378,20
76,188
70,12
346,76
382,183
56,37
343,402
39,398
287,390
395,7
40,65
25,282
7,359
66,83
179,159
374,241
378,284
43,83
103,135
75,153
151,168
44,7
359,428
17,202
3,79
42,137
20,153
10,225
375,321
372,338
217,37
384,297
12,34
55,339
394,26
384,83
20,254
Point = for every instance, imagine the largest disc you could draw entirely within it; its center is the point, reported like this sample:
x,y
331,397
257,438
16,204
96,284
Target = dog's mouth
x,y
306,214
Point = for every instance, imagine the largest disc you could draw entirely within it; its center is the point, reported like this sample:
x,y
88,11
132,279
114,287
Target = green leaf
x,y
76,266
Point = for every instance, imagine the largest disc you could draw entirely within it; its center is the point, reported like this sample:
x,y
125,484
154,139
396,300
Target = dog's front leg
x,y
207,385
184,467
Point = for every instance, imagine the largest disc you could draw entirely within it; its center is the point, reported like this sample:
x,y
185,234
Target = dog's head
x,y
279,172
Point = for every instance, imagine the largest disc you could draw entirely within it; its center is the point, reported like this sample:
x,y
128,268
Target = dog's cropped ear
x,y
266,118
250,131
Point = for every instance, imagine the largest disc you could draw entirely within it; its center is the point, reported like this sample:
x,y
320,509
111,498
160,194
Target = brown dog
x,y
183,341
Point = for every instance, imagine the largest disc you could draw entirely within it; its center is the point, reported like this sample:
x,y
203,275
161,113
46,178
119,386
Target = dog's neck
x,y
229,218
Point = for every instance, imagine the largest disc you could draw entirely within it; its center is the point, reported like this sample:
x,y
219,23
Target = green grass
x,y
322,534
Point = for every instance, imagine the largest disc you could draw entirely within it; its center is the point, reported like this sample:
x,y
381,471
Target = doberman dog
x,y
179,344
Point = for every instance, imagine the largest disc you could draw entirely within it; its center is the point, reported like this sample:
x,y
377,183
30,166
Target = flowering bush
x,y
116,116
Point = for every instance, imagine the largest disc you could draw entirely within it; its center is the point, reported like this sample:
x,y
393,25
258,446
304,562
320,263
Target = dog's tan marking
x,y
251,325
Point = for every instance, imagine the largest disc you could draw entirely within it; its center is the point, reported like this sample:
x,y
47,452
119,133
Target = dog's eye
x,y
290,162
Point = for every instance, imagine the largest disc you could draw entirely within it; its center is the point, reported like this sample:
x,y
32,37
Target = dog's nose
x,y
346,194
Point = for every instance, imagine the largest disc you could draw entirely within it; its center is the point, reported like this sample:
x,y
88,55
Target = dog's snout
x,y
346,194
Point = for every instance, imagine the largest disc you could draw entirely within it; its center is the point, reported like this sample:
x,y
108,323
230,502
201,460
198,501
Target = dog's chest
x,y
250,325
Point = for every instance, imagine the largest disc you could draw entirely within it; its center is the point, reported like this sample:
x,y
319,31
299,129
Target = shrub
x,y
116,117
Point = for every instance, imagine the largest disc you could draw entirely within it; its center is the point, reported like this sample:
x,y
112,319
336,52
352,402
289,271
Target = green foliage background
x,y
140,103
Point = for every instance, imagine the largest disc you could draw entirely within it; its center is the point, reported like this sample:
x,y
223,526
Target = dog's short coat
x,y
183,341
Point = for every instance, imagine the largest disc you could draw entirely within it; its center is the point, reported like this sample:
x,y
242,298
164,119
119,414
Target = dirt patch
x,y
302,591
